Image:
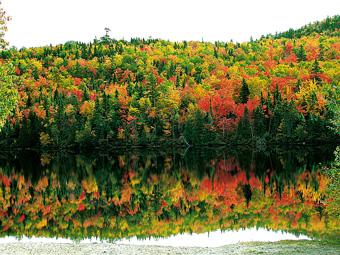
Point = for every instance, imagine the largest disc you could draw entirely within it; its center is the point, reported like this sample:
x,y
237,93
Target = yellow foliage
x,y
45,139
311,94
41,224
21,183
45,159
71,185
112,222
87,108
123,224
90,185
42,184
121,134
118,59
69,109
256,86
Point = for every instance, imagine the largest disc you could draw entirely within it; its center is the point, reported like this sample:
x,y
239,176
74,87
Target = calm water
x,y
159,194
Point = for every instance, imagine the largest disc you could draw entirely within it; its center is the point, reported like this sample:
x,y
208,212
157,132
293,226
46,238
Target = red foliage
x,y
46,210
5,228
17,71
81,207
6,181
291,58
78,94
22,218
93,70
159,80
270,64
77,81
224,110
206,184
312,52
322,76
96,195
266,179
204,104
173,79
289,48
26,113
42,82
93,96
286,86
82,196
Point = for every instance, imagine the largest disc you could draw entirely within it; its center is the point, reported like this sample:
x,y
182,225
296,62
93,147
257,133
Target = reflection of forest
x,y
154,193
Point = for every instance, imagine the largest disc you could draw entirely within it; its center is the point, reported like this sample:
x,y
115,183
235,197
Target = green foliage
x,y
3,27
333,189
329,26
301,53
196,129
244,93
316,70
244,129
8,92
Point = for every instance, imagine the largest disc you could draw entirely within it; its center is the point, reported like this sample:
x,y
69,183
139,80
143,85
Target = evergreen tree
x,y
60,132
260,127
153,93
301,54
244,93
195,131
247,193
98,120
244,131
316,70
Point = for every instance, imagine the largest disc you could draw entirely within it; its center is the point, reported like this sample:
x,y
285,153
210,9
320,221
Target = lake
x,y
199,196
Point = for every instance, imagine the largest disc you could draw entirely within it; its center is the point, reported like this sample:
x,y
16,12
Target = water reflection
x,y
159,194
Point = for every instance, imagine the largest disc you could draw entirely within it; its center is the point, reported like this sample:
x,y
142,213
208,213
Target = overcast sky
x,y
44,22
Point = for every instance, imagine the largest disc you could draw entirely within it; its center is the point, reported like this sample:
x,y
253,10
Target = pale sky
x,y
44,22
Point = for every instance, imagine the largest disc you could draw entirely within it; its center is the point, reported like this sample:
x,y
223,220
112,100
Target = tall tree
x,y
316,71
8,93
244,93
301,54
3,27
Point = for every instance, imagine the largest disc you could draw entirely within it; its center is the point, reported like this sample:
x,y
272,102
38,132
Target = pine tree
x,y
153,93
244,132
244,93
301,54
115,114
247,193
259,122
97,120
215,53
316,71
59,128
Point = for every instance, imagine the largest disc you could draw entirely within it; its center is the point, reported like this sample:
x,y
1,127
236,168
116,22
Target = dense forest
x,y
280,89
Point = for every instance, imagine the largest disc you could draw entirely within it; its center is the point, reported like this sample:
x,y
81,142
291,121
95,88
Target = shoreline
x,y
280,247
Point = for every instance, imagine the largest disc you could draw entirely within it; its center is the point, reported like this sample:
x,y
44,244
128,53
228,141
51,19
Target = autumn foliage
x,y
146,92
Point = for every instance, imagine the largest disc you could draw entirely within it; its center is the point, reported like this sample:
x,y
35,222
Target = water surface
x,y
209,197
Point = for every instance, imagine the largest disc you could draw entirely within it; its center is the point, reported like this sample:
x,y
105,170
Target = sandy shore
x,y
283,247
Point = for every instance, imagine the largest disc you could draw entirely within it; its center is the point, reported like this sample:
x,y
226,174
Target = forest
x,y
279,89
